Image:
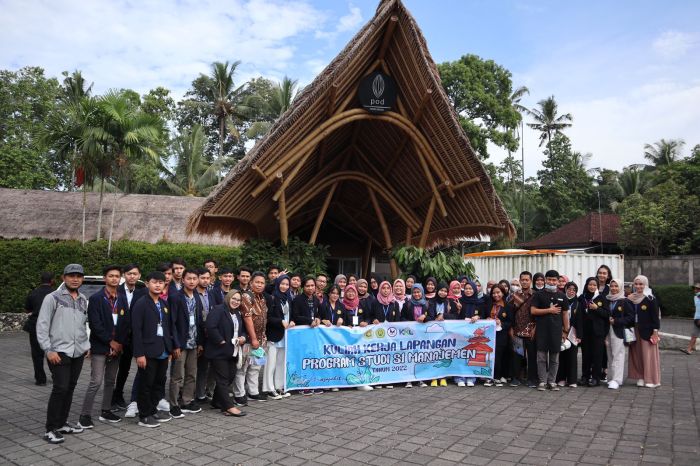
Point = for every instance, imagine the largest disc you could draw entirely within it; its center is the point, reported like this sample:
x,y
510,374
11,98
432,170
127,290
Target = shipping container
x,y
508,263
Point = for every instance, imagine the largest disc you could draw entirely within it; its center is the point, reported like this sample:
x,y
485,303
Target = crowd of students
x,y
216,331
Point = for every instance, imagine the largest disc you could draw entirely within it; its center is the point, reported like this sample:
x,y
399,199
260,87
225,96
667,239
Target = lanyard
x,y
112,305
160,313
386,310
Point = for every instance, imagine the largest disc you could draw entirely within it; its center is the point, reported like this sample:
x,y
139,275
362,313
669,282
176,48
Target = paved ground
x,y
677,326
423,426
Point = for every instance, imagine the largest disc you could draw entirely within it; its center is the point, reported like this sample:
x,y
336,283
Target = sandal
x,y
230,414
683,350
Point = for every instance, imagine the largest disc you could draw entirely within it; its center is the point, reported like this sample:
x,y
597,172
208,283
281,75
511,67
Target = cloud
x,y
674,44
348,22
435,328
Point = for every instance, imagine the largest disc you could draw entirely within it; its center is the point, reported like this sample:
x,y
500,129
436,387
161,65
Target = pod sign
x,y
377,93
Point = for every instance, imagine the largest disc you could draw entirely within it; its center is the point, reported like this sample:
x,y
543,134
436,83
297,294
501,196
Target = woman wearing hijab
x,y
497,309
225,337
620,316
561,284
568,358
355,316
594,323
341,280
410,281
278,319
366,298
538,281
430,288
471,307
374,281
444,308
644,359
416,310
385,308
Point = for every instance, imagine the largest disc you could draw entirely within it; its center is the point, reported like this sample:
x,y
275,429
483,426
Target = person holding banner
x,y
305,311
497,309
355,315
442,308
416,310
332,311
471,308
400,297
277,321
385,308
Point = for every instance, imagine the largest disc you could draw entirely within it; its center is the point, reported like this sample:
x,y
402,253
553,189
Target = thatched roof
x,y
326,137
139,217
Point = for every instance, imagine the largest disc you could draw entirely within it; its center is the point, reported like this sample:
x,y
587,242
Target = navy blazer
x,y
219,328
622,312
214,300
594,322
326,313
300,313
144,328
102,329
181,319
392,312
275,316
647,316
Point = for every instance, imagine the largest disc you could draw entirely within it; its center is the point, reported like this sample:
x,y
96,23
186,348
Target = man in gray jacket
x,y
62,335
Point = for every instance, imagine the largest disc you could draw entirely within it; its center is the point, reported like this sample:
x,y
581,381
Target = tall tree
x,y
548,121
272,106
193,175
480,91
663,152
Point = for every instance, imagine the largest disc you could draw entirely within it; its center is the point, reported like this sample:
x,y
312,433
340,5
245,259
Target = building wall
x,y
673,270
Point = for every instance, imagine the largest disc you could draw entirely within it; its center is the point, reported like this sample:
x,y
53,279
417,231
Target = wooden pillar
x,y
284,232
385,231
409,234
322,213
426,225
366,258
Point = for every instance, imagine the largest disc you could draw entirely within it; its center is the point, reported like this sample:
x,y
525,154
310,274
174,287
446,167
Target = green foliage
x,y
480,91
20,275
27,97
548,121
444,266
675,300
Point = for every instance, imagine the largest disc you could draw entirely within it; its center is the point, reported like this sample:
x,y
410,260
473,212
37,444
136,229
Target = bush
x,y
23,260
444,266
675,300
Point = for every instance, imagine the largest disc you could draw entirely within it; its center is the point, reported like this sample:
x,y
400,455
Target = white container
x,y
497,265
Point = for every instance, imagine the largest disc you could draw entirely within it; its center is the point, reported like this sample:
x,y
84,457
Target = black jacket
x,y
35,299
450,312
139,292
301,313
275,316
388,313
623,313
647,316
219,328
181,319
327,313
594,321
407,311
102,328
144,328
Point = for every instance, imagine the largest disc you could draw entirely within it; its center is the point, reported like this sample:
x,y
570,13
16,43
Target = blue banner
x,y
392,352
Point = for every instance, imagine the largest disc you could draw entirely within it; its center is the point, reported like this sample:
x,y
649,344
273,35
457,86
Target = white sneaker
x,y
163,405
503,380
612,385
273,395
132,410
335,389
365,388
640,382
460,384
470,384
422,384
652,385
389,387
377,386
409,385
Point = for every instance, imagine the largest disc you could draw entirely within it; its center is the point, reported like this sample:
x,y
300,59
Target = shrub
x,y
444,266
23,260
675,300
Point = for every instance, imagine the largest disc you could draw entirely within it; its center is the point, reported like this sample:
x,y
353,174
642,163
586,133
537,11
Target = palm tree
x,y
634,180
663,152
192,176
74,87
515,98
124,134
280,100
547,120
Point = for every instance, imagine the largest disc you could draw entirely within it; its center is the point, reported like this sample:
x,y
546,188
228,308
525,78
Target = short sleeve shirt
x,y
549,326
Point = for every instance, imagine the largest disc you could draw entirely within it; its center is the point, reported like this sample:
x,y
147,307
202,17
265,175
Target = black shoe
x,y
148,422
191,407
215,405
162,416
258,397
582,382
53,436
594,383
176,412
109,416
69,428
203,399
39,383
85,422
240,401
119,405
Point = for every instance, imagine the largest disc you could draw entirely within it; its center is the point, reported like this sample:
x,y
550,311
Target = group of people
x,y
216,331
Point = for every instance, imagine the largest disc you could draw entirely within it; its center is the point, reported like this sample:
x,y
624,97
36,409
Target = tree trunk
x,y
222,125
111,223
99,211
84,209
522,187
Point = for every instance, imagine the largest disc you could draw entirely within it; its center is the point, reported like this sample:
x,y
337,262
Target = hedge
x,y
22,261
675,300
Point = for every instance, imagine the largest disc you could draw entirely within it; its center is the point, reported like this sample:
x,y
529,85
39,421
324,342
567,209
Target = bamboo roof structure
x,y
403,176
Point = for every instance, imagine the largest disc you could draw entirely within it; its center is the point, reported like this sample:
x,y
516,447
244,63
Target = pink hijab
x,y
388,299
348,303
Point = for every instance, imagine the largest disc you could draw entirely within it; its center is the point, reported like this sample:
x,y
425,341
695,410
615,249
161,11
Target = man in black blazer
x,y
131,290
108,332
153,343
209,298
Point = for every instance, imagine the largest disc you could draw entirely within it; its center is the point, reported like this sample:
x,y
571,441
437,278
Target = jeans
x,y
37,358
65,376
102,369
151,386
547,366
183,375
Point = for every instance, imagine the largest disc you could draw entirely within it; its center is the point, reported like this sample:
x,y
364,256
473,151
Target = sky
x,y
628,71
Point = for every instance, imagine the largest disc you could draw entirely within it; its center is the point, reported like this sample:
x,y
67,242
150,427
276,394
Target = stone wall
x,y
12,321
672,270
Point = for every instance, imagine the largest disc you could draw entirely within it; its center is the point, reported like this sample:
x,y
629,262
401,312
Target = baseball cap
x,y
73,268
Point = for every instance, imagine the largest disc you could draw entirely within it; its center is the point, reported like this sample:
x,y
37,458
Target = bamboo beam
x,y
409,235
323,147
366,258
426,225
358,225
388,33
284,227
458,187
259,172
322,213
380,217
292,174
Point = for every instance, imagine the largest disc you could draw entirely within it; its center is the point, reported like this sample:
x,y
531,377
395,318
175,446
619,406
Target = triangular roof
x,y
326,142
582,232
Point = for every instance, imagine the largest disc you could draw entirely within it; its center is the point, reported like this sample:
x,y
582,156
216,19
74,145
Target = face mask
x,y
571,295
514,288
539,287
550,287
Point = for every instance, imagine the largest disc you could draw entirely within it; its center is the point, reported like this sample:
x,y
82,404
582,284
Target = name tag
x,y
355,320
114,318
191,321
159,330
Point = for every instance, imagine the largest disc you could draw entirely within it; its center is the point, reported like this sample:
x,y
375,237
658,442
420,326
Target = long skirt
x,y
644,361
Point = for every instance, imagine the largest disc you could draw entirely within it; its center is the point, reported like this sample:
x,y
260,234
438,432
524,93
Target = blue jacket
x,y
144,327
102,328
220,328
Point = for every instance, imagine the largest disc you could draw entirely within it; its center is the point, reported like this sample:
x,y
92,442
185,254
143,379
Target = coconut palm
x,y
547,120
192,175
515,99
663,152
74,87
279,101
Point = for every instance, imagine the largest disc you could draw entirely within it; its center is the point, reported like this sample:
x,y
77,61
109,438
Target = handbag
x,y
629,336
